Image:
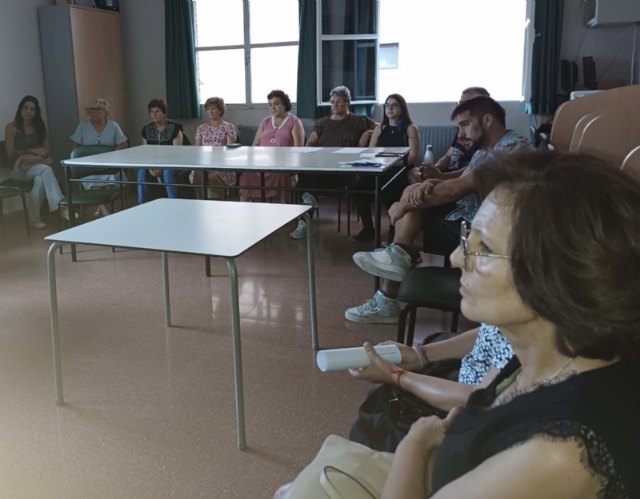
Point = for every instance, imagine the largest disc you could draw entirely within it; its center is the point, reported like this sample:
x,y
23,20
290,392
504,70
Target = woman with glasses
x,y
562,285
281,129
99,130
396,130
552,258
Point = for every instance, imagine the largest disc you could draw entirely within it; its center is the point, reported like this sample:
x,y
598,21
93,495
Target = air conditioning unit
x,y
611,12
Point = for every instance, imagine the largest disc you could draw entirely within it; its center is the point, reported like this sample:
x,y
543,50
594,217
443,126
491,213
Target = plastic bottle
x,y
429,159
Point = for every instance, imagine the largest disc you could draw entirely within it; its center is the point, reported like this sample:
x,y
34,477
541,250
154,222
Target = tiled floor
x,y
150,410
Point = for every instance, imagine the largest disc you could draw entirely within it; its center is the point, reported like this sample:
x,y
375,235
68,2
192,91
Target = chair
x,y
429,287
78,197
10,187
631,164
9,192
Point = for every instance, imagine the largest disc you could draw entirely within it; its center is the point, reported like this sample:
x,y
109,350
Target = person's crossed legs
x,y
393,262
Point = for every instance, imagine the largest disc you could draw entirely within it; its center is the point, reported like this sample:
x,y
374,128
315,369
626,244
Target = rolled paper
x,y
354,358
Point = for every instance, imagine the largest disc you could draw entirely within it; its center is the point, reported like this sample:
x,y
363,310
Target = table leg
x,y
167,297
263,193
55,325
237,353
312,284
377,224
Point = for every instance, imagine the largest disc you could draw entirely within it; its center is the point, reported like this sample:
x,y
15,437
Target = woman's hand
x,y
427,434
378,370
155,172
411,359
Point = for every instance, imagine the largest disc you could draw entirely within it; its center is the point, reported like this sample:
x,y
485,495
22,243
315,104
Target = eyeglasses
x,y
464,243
391,106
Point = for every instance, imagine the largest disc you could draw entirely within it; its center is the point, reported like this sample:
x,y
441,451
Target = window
x,y
246,48
347,48
442,47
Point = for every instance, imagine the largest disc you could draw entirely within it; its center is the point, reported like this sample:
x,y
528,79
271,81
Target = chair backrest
x,y
90,150
612,135
631,164
569,113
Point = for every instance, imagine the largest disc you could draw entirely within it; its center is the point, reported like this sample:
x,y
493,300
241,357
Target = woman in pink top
x,y
216,132
281,129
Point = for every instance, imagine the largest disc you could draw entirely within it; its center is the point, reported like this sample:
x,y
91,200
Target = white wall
x,y
20,55
611,47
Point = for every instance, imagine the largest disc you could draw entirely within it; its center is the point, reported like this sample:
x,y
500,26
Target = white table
x,y
212,228
249,158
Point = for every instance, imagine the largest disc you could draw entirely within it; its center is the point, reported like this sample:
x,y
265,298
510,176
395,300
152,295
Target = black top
x,y
393,136
600,409
164,138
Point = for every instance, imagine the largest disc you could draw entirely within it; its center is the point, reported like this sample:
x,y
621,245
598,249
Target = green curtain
x,y
306,100
180,59
546,56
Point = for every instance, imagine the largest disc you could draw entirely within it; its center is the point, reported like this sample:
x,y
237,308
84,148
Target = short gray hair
x,y
341,91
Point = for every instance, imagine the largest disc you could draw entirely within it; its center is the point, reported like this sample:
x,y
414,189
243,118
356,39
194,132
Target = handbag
x,y
342,470
388,412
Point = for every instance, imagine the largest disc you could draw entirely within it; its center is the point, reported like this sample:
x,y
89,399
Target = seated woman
x,y
397,130
559,420
281,129
216,132
161,132
341,129
99,130
27,147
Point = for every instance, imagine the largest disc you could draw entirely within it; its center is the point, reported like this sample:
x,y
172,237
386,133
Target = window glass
x,y
273,21
351,63
274,68
349,17
444,47
218,23
221,74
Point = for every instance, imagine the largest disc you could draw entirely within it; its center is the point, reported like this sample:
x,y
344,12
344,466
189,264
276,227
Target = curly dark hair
x,y
575,247
282,96
159,103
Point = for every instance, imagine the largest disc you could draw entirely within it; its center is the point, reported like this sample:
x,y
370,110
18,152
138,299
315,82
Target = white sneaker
x,y
391,262
300,232
378,310
38,225
64,213
309,199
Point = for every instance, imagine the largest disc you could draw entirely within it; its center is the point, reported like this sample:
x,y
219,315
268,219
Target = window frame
x,y
323,100
247,46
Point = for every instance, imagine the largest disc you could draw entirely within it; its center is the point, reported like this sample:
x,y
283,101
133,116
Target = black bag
x,y
387,414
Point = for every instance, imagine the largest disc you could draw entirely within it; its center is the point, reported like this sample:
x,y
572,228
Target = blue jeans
x,y
168,177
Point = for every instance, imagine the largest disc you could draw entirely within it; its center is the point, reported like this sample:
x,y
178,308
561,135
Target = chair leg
x,y
402,321
26,213
339,210
348,214
454,322
412,325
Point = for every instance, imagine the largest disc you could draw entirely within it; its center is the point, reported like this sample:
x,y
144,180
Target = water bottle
x,y
429,159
